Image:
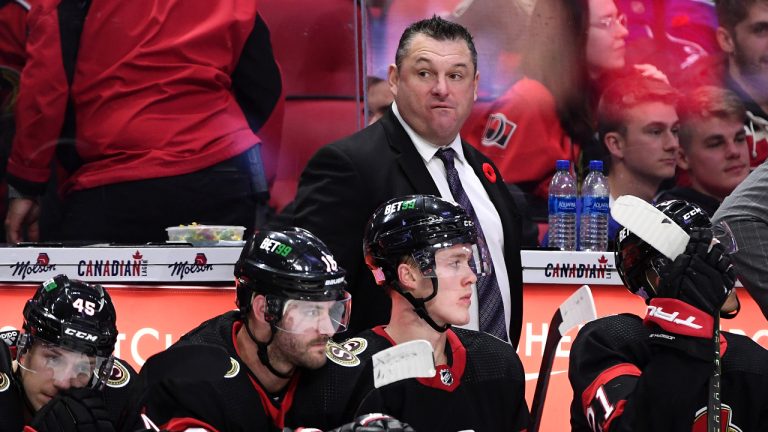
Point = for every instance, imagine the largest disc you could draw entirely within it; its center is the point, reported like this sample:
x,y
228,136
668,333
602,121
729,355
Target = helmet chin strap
x,y
420,306
262,348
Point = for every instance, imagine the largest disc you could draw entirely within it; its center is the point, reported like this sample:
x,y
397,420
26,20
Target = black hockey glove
x,y
74,410
700,276
375,423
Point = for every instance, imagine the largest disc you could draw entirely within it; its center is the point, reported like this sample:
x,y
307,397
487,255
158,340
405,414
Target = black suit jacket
x,y
347,180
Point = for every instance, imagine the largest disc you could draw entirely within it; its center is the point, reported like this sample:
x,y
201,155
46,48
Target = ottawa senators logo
x,y
5,382
119,376
234,368
345,354
726,416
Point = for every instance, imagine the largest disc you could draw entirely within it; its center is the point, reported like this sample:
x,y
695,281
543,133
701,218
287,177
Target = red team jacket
x,y
170,112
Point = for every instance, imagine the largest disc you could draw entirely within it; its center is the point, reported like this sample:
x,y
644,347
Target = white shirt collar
x,y
426,149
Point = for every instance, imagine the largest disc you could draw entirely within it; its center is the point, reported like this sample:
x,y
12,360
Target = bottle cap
x,y
563,164
595,165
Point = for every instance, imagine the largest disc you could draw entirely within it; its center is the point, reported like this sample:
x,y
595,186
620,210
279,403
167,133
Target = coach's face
x,y
435,87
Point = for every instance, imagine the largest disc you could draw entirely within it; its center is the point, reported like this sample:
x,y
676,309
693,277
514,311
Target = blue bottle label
x,y
595,205
562,204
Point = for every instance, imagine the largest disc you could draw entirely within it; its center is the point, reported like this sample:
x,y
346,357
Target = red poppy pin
x,y
490,174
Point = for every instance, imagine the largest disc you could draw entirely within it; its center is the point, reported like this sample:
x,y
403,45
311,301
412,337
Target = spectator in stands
x,y
549,114
746,212
379,98
434,80
740,34
713,147
638,127
155,130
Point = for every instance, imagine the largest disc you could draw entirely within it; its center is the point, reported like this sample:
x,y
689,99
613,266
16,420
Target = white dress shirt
x,y
484,210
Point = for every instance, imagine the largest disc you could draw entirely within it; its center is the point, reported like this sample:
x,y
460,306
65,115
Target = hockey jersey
x,y
236,401
622,381
481,389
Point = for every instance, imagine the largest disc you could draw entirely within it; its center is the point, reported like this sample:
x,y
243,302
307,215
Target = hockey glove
x,y
702,276
691,291
74,410
375,423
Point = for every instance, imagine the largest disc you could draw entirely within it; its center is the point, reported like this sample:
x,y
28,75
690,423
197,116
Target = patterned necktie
x,y
490,304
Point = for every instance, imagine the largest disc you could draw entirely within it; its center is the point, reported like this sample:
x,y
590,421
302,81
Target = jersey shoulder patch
x,y
346,353
120,375
234,368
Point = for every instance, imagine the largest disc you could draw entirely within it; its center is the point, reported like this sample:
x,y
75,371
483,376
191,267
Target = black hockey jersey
x,y
116,392
235,401
482,388
622,381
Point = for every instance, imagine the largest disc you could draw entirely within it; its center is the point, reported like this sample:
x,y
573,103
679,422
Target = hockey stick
x,y
412,359
577,309
650,224
667,237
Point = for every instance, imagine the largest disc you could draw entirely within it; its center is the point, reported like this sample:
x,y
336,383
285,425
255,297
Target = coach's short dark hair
x,y
438,29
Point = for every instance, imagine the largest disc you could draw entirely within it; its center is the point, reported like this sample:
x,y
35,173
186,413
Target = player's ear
x,y
406,275
259,307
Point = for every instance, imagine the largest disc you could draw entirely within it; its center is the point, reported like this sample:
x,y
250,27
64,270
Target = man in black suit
x,y
434,81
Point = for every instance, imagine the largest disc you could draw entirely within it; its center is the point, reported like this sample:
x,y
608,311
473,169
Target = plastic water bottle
x,y
593,235
562,208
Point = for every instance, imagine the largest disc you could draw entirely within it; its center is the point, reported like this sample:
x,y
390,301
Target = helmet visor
x,y
723,234
446,260
323,317
63,365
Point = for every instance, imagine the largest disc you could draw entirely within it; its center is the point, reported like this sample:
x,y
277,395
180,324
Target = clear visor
x,y
723,234
322,317
453,260
64,365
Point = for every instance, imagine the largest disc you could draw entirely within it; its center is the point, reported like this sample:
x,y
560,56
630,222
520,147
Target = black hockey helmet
x,y
417,226
287,264
638,263
72,314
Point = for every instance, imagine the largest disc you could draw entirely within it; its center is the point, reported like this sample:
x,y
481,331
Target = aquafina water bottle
x,y
562,208
593,231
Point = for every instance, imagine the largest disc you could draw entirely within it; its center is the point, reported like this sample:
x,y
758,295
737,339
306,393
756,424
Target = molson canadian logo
x,y
42,265
598,270
135,266
183,268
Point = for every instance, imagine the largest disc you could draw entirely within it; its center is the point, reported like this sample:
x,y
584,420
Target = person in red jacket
x,y
549,114
150,108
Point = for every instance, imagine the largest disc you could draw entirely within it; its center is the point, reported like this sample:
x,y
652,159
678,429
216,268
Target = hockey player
x,y
64,377
423,250
291,299
651,374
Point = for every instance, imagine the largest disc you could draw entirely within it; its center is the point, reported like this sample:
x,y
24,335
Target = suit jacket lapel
x,y
407,157
493,191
